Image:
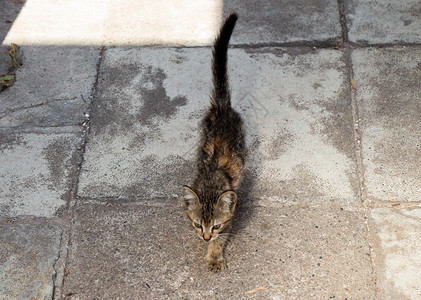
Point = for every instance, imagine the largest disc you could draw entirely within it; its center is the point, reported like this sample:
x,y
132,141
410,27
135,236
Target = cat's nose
x,y
206,236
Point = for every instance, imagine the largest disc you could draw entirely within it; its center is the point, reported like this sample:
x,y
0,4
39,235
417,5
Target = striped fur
x,y
211,201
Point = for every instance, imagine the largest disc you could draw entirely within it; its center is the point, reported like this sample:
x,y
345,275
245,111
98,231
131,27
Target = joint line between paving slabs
x,y
348,47
66,238
59,265
365,202
316,44
86,123
357,133
342,20
355,115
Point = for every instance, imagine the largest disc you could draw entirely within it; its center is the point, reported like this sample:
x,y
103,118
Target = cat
x,y
211,201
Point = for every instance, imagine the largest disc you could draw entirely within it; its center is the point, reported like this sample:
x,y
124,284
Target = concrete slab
x,y
36,172
150,252
27,256
397,244
383,22
146,115
38,98
269,21
388,100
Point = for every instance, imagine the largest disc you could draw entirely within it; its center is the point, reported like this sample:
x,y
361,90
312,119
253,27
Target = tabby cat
x,y
211,201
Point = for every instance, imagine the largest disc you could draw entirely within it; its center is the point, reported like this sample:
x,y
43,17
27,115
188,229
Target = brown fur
x,y
211,201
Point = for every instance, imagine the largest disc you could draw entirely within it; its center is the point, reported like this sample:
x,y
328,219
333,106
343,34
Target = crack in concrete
x,y
12,110
66,242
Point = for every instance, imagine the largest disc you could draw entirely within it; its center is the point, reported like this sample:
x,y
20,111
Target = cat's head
x,y
209,213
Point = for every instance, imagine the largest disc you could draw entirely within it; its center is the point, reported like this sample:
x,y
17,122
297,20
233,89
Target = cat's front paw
x,y
216,264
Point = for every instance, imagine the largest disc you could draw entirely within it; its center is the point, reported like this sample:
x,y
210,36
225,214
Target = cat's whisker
x,y
226,233
225,236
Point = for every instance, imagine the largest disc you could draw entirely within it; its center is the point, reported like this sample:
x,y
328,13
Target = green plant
x,y
13,53
6,80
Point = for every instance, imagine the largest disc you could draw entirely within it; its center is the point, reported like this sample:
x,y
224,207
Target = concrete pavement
x,y
98,134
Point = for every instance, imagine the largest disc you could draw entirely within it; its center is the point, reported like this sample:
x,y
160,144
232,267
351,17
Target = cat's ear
x,y
227,202
190,198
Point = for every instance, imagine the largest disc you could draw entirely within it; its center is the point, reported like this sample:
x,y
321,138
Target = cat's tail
x,y
221,95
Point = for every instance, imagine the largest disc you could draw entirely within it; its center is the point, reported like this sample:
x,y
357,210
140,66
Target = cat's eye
x,y
217,226
197,225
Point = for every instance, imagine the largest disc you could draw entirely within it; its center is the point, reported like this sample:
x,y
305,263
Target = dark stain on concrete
x,y
274,146
55,153
156,102
116,111
398,87
9,139
295,102
407,22
178,59
394,106
62,158
279,144
138,140
338,127
110,103
316,85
